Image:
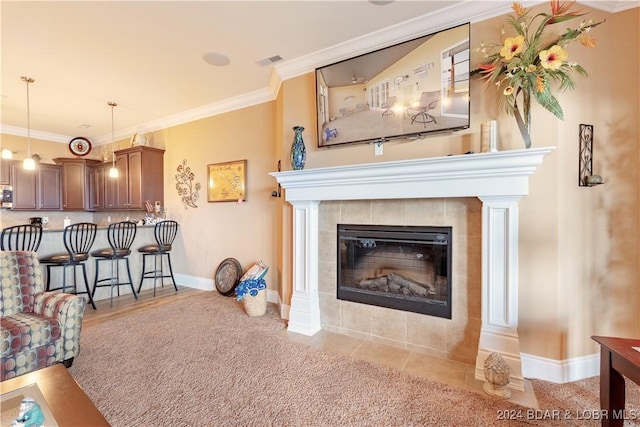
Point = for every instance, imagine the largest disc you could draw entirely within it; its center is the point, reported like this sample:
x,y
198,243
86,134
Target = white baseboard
x,y
560,371
195,282
204,284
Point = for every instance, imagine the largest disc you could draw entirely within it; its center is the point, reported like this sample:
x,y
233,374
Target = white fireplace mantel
x,y
498,179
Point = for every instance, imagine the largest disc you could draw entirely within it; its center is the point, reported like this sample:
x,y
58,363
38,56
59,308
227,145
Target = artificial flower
x,y
587,41
553,58
518,9
525,65
512,47
540,84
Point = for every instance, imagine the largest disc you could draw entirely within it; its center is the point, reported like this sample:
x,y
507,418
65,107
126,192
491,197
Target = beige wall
x,y
215,231
579,253
578,246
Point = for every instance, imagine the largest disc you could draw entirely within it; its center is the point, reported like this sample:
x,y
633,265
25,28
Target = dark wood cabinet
x,y
140,177
39,189
75,183
5,171
96,184
109,187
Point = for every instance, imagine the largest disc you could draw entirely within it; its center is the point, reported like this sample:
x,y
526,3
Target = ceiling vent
x,y
269,61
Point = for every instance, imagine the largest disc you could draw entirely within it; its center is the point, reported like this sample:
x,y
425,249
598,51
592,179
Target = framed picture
x,y
227,181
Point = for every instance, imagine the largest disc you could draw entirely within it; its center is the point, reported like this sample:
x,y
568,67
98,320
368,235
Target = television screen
x,y
407,90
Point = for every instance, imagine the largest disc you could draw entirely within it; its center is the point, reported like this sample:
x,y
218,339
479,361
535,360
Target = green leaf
x,y
549,102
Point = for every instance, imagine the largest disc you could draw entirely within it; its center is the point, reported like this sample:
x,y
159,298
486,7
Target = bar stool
x,y
25,237
78,239
165,233
120,236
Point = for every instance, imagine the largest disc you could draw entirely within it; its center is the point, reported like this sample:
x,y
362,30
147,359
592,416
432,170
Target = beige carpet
x,y
202,362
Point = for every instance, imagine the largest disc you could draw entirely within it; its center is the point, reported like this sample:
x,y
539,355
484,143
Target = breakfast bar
x,y
52,242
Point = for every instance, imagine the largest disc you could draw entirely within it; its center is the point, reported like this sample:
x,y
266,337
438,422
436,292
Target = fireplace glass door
x,y
399,267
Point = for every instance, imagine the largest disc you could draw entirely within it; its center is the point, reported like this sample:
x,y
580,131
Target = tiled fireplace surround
x,y
475,194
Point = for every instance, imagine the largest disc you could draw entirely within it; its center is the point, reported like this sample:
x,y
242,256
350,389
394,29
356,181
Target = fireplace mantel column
x,y
499,331
304,315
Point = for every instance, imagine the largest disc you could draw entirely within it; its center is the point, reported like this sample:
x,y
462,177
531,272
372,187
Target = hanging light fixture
x,y
6,153
113,172
28,163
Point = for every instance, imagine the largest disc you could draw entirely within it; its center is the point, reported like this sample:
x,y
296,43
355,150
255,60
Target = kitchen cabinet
x,y
103,188
39,189
5,172
140,177
75,182
95,182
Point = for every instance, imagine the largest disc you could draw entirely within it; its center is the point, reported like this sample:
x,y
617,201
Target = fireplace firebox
x,y
400,267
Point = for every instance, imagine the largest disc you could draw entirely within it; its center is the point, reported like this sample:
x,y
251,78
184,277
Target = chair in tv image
x,y
428,102
388,107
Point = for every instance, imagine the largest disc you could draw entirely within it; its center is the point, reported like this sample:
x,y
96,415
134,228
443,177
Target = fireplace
x,y
401,267
498,179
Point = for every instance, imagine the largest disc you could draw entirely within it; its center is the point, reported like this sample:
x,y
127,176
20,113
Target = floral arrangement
x,y
529,62
188,192
250,287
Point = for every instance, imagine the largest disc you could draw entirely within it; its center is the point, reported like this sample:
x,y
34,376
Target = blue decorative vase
x,y
298,150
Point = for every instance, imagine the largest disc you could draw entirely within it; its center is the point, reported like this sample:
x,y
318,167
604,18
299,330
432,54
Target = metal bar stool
x,y
25,237
165,233
120,236
78,239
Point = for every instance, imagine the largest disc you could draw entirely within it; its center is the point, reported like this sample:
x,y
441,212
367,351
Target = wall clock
x,y
80,146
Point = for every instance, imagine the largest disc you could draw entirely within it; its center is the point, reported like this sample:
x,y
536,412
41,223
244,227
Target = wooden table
x,y
69,405
618,359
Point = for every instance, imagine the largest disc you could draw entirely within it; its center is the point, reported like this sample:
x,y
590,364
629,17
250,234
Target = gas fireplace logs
x,y
397,284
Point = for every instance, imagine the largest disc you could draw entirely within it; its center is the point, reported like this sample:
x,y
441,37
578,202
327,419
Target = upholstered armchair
x,y
37,328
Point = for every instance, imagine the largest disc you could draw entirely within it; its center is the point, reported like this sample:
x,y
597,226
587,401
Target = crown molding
x,y
35,134
612,6
456,14
460,13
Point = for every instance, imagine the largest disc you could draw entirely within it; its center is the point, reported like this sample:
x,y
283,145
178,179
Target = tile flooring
x,y
456,374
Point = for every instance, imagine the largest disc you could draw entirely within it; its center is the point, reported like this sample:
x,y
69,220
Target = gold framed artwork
x,y
227,181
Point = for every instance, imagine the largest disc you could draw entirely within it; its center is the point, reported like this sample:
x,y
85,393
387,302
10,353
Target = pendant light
x,y
6,153
113,172
28,163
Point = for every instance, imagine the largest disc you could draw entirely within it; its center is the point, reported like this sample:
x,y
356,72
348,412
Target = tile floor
x,y
449,372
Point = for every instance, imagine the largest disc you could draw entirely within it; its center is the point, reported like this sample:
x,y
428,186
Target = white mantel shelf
x,y
499,179
465,175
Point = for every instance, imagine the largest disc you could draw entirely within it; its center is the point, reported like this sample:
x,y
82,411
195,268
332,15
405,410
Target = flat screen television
x,y
407,90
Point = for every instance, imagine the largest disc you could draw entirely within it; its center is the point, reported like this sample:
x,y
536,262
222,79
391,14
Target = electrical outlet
x,y
378,148
45,220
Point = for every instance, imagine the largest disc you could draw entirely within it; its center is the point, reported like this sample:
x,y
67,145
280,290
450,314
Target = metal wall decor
x,y
586,177
188,191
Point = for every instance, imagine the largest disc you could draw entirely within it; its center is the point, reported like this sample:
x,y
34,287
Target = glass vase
x,y
523,119
298,150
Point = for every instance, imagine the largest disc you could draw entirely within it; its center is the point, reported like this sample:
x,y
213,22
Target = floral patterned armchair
x,y
37,328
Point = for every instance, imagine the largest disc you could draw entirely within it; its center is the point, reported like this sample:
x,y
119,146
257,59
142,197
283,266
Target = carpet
x,y
201,361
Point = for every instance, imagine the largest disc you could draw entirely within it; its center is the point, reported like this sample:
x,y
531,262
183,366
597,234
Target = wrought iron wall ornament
x,y
586,178
188,191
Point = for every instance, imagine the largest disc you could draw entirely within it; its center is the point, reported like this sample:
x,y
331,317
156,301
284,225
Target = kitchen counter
x,y
100,227
52,242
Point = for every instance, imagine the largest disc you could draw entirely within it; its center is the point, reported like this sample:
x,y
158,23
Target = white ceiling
x,y
147,55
